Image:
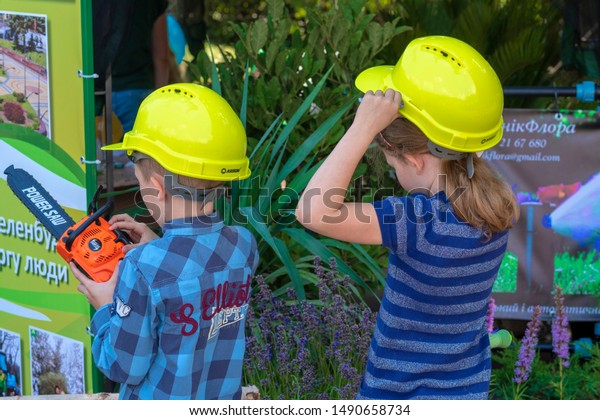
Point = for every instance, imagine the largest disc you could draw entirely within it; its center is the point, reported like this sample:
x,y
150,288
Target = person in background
x,y
141,64
132,57
430,115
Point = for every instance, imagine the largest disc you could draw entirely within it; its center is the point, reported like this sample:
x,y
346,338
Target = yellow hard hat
x,y
189,130
449,91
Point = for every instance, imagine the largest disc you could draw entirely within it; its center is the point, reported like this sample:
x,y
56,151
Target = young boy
x,y
170,322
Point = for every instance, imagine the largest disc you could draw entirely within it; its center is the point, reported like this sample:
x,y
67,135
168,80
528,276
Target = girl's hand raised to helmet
x,y
377,110
139,233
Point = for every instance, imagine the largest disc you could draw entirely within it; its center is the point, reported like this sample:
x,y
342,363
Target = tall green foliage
x,y
520,38
287,59
265,202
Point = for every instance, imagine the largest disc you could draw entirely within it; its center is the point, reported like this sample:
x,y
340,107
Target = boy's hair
x,y
149,166
484,201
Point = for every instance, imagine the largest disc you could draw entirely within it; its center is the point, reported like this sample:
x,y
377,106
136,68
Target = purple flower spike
x,y
489,316
561,336
529,344
323,341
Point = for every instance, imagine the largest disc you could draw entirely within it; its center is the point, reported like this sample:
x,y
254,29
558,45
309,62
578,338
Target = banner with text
x,y
43,124
551,160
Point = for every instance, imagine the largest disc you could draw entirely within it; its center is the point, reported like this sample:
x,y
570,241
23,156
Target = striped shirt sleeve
x,y
392,222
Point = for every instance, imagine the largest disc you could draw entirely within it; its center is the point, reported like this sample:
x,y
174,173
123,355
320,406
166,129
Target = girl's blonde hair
x,y
484,201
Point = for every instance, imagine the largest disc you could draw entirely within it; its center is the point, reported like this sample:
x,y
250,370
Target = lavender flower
x,y
489,316
282,346
310,348
561,335
527,351
305,368
333,272
319,270
348,392
310,317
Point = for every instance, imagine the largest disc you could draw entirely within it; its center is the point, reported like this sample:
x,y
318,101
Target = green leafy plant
x,y
519,38
265,202
288,55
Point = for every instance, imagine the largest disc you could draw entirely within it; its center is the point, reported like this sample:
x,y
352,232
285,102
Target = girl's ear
x,y
158,182
416,161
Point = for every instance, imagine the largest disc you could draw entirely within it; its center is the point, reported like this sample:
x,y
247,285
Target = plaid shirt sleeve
x,y
124,338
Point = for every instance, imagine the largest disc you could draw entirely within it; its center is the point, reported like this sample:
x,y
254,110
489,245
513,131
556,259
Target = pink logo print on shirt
x,y
185,319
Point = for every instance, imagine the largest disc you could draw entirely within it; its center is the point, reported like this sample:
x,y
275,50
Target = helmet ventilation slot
x,y
444,54
178,91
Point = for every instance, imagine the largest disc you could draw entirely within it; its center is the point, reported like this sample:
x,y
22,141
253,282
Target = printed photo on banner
x,y
548,159
24,87
11,374
57,364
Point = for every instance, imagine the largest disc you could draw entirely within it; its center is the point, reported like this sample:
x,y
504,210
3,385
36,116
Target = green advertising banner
x,y
47,129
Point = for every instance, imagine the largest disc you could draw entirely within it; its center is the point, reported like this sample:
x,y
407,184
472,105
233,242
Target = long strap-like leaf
x,y
309,144
305,106
316,247
244,106
361,255
258,223
215,81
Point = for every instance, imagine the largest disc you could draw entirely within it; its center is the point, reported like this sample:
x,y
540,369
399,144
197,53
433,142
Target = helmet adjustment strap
x,y
201,195
449,154
175,188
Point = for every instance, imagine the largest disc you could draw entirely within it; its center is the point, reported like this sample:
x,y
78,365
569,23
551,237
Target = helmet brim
x,y
114,146
375,78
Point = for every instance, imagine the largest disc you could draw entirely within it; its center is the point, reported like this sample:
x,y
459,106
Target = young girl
x,y
446,237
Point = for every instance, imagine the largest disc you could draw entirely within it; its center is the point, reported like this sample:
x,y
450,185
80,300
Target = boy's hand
x,y
377,110
138,232
97,294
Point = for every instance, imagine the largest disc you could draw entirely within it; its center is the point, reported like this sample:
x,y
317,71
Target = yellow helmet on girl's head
x,y
189,130
449,91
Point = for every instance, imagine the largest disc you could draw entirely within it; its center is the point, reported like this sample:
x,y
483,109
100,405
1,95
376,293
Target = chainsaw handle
x,y
105,209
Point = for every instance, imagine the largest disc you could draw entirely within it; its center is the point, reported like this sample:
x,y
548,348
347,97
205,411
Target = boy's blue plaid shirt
x,y
176,328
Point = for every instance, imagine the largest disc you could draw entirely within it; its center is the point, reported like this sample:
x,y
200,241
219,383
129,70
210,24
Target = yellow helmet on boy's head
x,y
449,91
189,130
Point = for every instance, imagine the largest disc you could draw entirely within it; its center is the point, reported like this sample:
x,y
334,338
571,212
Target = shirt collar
x,y
194,225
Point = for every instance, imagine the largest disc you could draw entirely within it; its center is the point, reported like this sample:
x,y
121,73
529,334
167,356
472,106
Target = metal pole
x,y
539,91
585,91
109,170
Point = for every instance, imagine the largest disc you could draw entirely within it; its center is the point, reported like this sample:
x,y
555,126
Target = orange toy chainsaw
x,y
90,243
